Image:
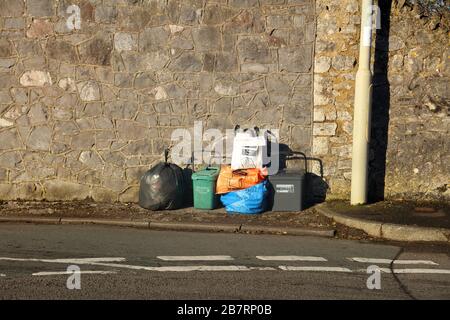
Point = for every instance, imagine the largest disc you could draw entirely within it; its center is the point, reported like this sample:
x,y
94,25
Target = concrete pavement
x,y
142,264
177,226
389,231
307,222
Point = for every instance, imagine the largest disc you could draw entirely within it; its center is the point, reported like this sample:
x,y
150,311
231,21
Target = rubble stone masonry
x,y
410,141
85,111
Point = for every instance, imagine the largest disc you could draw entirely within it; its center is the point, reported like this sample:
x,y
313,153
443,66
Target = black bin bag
x,y
163,187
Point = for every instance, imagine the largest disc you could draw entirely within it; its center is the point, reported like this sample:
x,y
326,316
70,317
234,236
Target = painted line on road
x,y
263,268
195,258
104,262
68,260
174,268
185,268
54,273
203,268
320,269
291,258
2,275
411,271
389,261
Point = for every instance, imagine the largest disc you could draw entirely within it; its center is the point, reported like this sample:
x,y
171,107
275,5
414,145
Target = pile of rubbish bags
x,y
241,186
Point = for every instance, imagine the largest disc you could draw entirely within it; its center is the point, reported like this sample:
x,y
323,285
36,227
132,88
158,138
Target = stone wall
x,y
84,112
418,82
336,50
409,154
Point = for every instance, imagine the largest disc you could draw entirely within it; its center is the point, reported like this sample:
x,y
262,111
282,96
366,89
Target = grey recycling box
x,y
287,190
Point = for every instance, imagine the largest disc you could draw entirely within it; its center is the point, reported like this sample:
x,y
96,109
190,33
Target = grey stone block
x,y
105,14
153,39
40,8
297,59
12,8
40,138
207,38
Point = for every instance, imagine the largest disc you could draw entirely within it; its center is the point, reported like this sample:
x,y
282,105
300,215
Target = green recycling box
x,y
204,188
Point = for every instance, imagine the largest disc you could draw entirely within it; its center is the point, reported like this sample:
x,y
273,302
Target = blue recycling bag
x,y
248,201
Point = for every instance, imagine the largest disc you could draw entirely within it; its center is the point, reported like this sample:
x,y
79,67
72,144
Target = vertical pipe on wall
x,y
362,112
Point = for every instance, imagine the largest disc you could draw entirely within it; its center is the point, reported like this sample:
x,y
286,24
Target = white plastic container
x,y
248,150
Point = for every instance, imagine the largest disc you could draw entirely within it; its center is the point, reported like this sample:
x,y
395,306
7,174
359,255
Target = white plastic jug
x,y
248,147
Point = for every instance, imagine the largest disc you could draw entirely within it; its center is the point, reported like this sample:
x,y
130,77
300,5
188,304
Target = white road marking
x,y
321,269
105,262
174,268
50,273
109,262
290,258
203,268
262,268
412,271
69,260
389,261
195,258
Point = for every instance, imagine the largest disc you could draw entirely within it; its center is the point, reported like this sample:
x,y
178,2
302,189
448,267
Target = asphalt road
x,y
123,263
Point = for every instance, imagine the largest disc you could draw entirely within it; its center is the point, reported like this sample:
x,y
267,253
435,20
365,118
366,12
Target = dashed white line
x,y
412,271
263,268
174,268
54,273
195,258
110,262
68,260
87,260
291,258
202,268
105,262
320,269
389,261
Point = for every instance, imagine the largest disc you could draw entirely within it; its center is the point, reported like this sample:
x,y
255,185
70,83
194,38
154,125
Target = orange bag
x,y
230,180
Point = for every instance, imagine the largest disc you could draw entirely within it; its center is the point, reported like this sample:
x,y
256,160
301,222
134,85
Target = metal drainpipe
x,y
362,110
